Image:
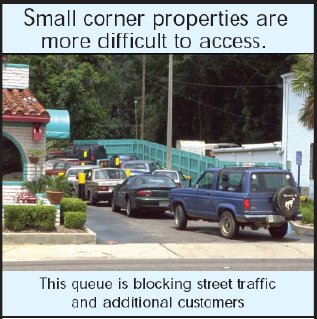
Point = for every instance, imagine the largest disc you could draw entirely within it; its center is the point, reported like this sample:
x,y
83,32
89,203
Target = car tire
x,y
180,217
92,199
130,210
286,201
228,226
279,232
114,207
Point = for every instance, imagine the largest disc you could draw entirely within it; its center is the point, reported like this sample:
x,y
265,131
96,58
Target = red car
x,y
62,166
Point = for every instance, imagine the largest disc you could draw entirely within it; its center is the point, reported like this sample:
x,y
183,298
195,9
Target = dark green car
x,y
142,193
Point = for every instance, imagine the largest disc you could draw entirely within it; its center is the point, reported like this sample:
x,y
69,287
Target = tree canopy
x,y
217,97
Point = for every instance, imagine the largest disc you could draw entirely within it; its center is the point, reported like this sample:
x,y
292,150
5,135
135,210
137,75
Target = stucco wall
x,y
295,137
21,136
252,156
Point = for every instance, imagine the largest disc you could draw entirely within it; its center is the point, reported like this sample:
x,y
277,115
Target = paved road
x,y
117,228
168,264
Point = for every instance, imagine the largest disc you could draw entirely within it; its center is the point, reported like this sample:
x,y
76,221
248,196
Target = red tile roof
x,y
22,106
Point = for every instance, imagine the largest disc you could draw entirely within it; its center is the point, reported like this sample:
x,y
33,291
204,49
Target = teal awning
x,y
59,125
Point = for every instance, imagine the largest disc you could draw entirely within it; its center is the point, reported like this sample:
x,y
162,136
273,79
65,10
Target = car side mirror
x,y
197,186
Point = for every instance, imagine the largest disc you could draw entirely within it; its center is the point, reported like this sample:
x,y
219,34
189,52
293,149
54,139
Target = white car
x,y
73,172
176,176
100,182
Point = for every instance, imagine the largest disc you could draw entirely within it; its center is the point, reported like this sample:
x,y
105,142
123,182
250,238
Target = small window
x,y
206,181
138,166
270,182
88,175
230,181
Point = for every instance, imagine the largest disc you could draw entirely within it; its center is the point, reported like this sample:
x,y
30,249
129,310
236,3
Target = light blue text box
x,y
186,293
148,28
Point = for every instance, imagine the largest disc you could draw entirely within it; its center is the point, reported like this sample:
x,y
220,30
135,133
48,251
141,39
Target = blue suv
x,y
239,197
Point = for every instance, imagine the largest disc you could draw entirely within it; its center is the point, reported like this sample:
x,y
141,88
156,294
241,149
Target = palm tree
x,y
303,86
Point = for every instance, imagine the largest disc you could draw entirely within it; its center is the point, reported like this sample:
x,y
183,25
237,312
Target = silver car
x,y
100,182
141,167
72,173
176,176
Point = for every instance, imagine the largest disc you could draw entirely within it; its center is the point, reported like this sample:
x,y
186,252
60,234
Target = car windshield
x,y
172,175
154,181
136,166
51,161
75,172
270,182
110,174
125,158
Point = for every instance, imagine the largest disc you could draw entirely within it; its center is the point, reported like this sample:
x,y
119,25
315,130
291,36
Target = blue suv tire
x,y
228,226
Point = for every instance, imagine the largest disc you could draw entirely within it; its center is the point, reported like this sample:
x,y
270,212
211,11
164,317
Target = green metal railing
x,y
189,163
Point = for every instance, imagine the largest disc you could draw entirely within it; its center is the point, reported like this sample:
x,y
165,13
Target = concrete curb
x,y
302,229
49,238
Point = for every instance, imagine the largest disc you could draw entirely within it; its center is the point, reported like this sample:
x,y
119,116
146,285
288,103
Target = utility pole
x,y
143,99
169,114
136,118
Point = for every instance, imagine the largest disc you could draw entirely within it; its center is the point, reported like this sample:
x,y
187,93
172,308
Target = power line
x,y
226,112
232,86
222,86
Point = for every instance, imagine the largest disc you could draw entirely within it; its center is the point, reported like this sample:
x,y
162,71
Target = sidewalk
x,y
230,249
234,249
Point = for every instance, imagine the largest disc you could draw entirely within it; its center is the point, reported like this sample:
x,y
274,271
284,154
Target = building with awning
x,y
59,125
24,121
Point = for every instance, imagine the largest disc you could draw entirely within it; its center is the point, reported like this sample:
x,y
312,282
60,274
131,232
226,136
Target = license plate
x,y
163,204
275,218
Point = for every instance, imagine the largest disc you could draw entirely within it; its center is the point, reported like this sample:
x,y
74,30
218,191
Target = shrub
x,y
307,209
44,219
19,217
74,219
59,183
35,186
73,205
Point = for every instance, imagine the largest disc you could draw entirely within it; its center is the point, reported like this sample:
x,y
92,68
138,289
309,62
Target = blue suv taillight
x,y
246,204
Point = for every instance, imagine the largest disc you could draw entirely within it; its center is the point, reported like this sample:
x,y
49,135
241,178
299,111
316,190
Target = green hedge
x,y
73,205
75,219
19,217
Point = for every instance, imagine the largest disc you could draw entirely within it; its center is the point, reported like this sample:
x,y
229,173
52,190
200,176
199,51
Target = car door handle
x,y
209,194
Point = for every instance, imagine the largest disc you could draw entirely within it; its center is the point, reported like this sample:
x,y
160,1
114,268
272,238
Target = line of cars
x,y
101,182
136,186
234,197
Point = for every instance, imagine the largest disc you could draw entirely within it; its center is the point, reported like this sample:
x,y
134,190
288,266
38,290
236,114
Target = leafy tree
x,y
303,86
73,82
216,98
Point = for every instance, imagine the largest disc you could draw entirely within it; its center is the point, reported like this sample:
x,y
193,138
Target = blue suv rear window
x,y
269,182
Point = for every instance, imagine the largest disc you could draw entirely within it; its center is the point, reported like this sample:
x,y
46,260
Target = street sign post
x,y
299,163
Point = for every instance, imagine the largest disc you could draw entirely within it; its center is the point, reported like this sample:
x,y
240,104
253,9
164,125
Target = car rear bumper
x,y
103,195
264,218
152,203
